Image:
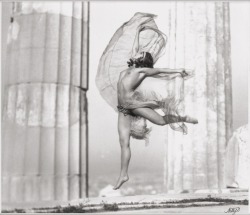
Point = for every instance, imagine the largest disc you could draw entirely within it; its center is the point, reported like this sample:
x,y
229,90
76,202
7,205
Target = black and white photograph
x,y
125,107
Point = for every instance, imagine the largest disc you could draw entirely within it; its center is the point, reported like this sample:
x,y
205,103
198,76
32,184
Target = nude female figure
x,y
140,67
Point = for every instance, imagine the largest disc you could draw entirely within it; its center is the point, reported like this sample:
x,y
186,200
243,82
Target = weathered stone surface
x,y
74,188
35,104
74,145
49,105
32,151
47,190
5,188
61,187
16,188
31,188
211,55
47,151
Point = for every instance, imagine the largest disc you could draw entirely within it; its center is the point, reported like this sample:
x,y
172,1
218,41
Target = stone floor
x,y
204,201
243,209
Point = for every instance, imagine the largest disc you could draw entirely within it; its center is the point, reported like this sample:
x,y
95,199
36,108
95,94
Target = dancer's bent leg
x,y
157,119
124,137
173,119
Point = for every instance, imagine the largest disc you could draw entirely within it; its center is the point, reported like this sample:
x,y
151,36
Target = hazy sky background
x,y
105,19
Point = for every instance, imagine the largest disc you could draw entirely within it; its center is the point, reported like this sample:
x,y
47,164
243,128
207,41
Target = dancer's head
x,y
142,59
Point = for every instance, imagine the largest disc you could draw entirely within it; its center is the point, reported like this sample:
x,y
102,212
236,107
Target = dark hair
x,y
146,61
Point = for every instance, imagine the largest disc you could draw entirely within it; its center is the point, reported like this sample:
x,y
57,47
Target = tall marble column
x,y
44,149
199,39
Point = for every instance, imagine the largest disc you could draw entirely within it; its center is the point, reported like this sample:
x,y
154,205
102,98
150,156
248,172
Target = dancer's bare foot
x,y
189,119
121,180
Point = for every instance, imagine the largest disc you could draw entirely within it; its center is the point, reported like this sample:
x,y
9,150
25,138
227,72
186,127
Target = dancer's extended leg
x,y
157,119
124,137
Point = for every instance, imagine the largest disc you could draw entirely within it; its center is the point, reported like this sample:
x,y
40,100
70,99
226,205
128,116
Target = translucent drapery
x,y
199,38
44,145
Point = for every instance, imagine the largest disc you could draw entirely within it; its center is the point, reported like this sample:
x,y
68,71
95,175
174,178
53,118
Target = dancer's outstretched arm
x,y
158,71
147,72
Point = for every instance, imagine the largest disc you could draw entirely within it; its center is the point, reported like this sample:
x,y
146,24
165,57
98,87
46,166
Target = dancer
x,y
123,87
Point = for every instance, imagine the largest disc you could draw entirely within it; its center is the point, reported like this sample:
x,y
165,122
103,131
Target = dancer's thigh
x,y
150,115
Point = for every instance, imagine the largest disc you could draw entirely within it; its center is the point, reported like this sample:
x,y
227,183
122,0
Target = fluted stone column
x,y
44,149
199,39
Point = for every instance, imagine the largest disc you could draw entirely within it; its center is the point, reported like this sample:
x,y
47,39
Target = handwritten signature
x,y
233,210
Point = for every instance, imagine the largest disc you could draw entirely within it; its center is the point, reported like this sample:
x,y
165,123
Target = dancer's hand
x,y
130,62
184,73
